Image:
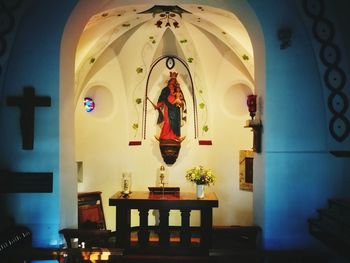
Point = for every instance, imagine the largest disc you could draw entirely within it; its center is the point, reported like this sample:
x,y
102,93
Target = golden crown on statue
x,y
173,75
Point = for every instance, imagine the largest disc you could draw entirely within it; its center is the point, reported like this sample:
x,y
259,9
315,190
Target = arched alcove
x,y
70,40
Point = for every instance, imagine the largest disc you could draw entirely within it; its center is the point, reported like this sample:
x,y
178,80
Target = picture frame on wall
x,y
246,161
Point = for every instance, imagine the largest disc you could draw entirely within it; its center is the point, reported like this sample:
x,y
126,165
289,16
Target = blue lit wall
x,y
34,61
299,174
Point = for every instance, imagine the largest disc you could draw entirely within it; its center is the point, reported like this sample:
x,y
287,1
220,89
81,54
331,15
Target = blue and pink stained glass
x,y
89,104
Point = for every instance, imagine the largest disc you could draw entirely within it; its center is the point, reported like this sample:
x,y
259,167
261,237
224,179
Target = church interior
x,y
126,100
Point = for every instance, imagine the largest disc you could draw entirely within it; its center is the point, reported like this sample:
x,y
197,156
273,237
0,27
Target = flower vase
x,y
200,191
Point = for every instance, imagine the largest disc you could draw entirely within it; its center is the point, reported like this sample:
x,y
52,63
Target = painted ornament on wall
x,y
171,107
89,104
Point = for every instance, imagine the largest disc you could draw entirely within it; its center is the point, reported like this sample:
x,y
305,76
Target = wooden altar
x,y
145,201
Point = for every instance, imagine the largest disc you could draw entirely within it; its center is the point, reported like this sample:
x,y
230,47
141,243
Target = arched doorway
x,y
222,44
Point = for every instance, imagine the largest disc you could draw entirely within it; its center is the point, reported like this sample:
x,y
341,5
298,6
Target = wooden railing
x,y
144,202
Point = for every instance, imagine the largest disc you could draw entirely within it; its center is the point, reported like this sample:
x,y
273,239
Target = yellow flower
x,y
200,175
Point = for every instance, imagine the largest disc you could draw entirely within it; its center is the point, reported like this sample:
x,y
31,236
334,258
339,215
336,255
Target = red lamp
x,y
251,103
254,124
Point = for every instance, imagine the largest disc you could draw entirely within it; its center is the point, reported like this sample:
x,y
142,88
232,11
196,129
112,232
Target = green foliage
x,y
139,70
153,41
135,126
205,128
190,60
138,100
201,105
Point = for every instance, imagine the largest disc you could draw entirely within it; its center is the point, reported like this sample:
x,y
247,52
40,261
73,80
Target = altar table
x,y
144,201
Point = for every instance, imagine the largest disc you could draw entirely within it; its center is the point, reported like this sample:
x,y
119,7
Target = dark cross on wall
x,y
27,104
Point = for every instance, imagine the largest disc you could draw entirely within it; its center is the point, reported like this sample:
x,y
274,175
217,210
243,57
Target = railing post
x,y
206,227
164,236
143,233
123,226
185,227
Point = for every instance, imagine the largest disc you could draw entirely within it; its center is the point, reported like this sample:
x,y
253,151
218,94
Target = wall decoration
x,y
27,104
167,14
89,104
135,143
153,41
246,159
170,62
97,100
203,113
334,76
205,142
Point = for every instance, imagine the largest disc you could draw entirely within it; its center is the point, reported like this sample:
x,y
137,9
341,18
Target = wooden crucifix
x,y
27,104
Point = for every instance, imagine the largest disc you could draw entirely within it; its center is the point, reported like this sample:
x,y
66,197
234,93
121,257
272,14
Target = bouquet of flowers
x,y
200,175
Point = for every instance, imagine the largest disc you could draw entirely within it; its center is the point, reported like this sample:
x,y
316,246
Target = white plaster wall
x,y
102,146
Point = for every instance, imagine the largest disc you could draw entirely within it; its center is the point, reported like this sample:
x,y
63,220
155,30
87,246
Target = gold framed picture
x,y
246,160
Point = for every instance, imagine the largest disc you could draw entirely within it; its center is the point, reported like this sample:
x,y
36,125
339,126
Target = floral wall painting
x,y
246,158
167,15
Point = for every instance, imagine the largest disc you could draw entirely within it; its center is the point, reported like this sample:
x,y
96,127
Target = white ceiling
x,y
125,33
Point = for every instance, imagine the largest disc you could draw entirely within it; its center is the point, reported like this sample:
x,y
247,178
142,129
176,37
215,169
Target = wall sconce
x,y
251,103
284,36
254,123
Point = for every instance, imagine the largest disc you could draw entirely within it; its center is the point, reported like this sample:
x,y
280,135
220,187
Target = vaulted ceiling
x,y
186,31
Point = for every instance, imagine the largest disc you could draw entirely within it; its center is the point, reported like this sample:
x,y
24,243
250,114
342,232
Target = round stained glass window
x,y
89,104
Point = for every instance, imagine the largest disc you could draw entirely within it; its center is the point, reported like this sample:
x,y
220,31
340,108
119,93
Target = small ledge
x,y
253,124
340,153
205,142
134,143
256,127
26,182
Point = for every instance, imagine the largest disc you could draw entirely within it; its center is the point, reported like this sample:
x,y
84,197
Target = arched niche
x,y
75,25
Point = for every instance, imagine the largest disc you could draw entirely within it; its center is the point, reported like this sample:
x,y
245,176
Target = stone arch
x,y
74,27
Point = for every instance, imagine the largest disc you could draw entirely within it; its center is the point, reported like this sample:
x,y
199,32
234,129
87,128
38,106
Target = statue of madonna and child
x,y
171,108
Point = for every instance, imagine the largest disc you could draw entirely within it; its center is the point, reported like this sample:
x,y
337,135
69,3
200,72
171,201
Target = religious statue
x,y
171,108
